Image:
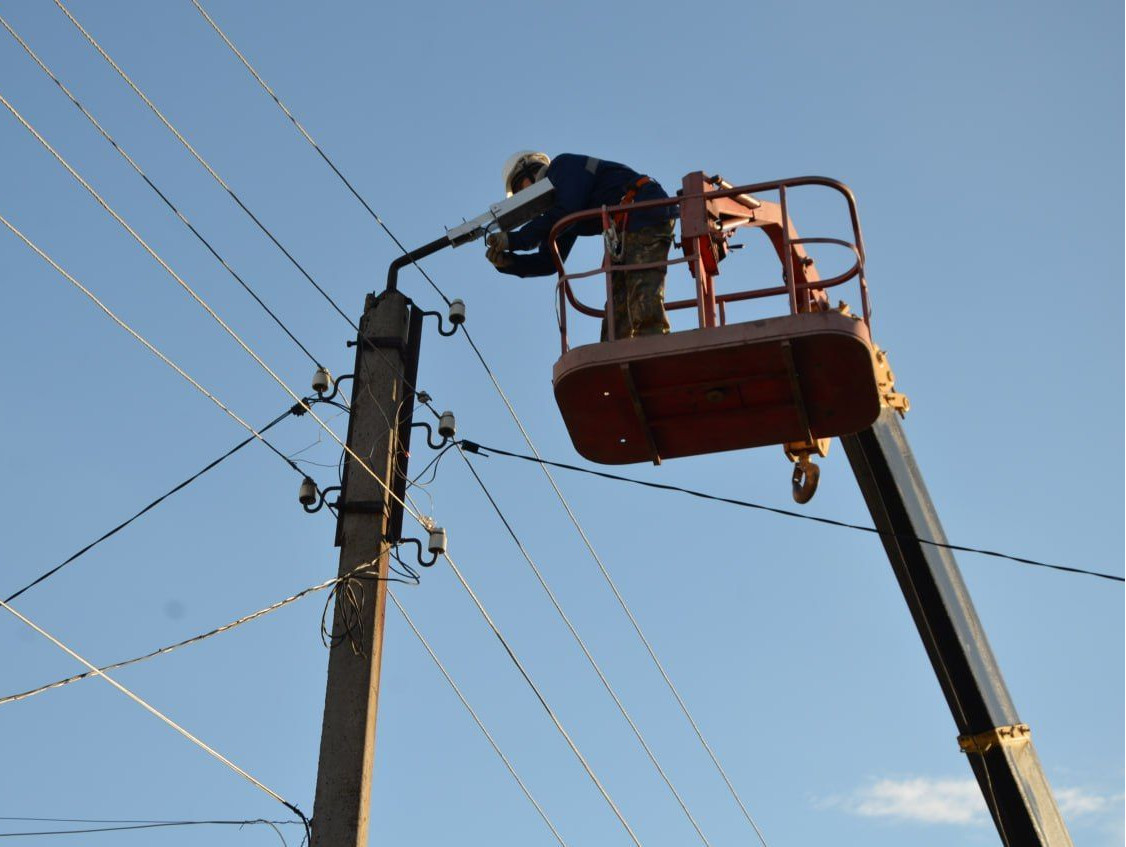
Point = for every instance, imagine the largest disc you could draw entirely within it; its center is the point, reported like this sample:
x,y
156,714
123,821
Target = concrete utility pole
x,y
386,366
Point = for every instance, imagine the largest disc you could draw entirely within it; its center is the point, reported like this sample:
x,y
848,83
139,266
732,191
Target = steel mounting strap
x,y
999,736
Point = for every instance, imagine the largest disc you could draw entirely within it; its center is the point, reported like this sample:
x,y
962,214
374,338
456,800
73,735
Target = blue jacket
x,y
581,182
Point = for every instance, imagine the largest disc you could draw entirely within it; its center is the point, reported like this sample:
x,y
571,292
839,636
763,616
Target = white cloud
x,y
956,801
950,801
1074,802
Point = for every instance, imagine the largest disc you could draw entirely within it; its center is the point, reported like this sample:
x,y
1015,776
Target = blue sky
x,y
984,142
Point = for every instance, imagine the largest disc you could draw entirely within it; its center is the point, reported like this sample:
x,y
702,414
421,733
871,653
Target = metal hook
x,y
325,398
805,479
316,501
426,563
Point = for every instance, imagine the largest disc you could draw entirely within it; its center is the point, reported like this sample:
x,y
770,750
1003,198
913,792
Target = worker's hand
x,y
496,245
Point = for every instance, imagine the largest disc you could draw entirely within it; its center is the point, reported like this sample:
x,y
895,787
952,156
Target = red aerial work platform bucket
x,y
795,380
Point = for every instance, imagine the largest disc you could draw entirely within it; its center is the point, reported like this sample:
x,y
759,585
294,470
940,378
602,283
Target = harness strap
x,y
622,218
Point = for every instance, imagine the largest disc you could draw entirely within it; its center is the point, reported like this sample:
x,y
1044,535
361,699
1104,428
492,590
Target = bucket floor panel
x,y
716,389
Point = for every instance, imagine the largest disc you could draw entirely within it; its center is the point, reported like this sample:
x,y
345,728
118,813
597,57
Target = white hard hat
x,y
520,162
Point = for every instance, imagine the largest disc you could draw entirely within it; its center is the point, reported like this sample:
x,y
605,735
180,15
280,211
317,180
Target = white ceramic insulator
x,y
447,425
457,312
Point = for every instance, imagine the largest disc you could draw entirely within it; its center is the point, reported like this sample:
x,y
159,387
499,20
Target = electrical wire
x,y
153,504
621,599
586,652
202,161
227,188
349,451
134,820
202,303
790,513
512,411
273,607
351,597
539,696
143,825
161,716
249,351
159,193
305,134
312,414
476,719
316,146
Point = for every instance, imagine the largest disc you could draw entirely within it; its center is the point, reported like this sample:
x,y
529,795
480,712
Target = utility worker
x,y
583,182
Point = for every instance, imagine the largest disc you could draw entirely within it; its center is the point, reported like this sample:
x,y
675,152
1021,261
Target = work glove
x,y
496,245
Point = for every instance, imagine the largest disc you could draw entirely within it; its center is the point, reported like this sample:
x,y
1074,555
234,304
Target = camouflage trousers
x,y
639,296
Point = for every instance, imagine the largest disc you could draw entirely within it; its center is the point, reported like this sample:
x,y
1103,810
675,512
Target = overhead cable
x,y
351,453
202,161
158,714
122,826
159,193
476,719
621,601
543,702
224,185
316,147
586,652
156,502
273,607
406,508
512,411
473,447
202,303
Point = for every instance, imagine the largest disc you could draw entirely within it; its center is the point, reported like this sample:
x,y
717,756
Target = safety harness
x,y
615,234
622,218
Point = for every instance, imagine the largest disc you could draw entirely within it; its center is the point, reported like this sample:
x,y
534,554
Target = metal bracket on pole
x,y
983,742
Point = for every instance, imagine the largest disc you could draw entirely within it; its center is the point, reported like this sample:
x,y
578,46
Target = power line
x,y
621,600
512,411
158,501
350,452
202,303
278,379
234,196
473,345
273,607
144,341
473,447
316,147
203,162
477,720
131,825
586,652
159,193
160,715
134,820
543,702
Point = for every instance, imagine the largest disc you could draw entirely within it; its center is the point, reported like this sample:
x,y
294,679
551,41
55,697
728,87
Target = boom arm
x,y
997,744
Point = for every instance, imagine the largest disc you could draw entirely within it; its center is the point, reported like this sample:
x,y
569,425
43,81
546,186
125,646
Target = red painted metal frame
x,y
710,210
